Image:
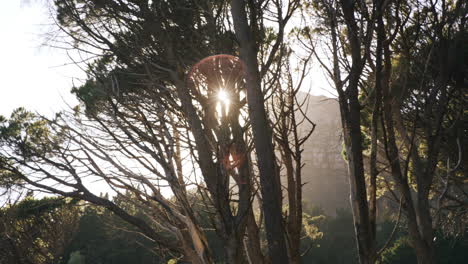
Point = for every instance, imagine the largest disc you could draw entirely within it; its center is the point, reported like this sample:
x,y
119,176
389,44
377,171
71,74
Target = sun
x,y
222,106
223,97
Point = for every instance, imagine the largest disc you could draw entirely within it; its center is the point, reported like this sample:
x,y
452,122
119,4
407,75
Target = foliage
x,y
104,238
76,258
36,230
451,250
338,236
399,252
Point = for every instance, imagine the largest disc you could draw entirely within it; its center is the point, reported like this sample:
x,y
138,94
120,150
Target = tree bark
x,y
262,137
351,121
252,243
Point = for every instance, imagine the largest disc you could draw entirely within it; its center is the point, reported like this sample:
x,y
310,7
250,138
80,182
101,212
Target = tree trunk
x,y
419,219
262,137
351,121
252,244
293,225
234,250
351,124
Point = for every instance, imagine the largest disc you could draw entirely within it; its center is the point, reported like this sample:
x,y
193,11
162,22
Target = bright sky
x,y
32,75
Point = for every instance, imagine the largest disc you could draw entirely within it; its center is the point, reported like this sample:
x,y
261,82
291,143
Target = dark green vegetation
x,y
61,231
37,231
197,179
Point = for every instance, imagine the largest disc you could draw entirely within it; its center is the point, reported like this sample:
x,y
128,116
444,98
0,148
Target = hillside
x,y
325,171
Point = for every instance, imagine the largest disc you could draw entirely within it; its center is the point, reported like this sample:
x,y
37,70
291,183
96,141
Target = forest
x,y
196,140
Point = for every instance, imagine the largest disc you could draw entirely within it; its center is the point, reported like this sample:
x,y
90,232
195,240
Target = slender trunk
x,y
245,219
262,137
427,233
374,131
234,249
296,255
419,218
252,243
292,225
424,248
359,201
424,251
351,120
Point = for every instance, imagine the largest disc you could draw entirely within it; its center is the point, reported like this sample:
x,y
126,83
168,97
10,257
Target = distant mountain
x,y
325,171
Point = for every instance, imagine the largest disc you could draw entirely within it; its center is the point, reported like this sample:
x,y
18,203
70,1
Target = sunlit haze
x,y
34,75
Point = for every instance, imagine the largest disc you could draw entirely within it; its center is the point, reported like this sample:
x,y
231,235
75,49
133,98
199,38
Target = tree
x,y
103,237
349,53
369,41
269,177
36,230
146,113
291,129
427,113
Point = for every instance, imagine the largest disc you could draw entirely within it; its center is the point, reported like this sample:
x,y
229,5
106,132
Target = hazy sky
x,y
36,76
32,75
